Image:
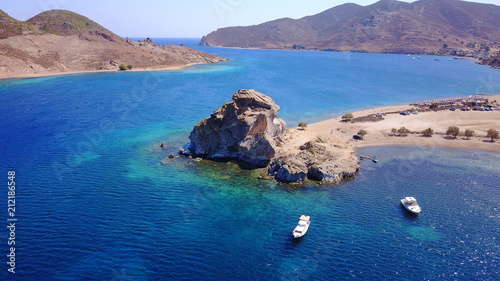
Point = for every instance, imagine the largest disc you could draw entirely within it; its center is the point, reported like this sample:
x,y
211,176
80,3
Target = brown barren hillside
x,y
57,41
425,27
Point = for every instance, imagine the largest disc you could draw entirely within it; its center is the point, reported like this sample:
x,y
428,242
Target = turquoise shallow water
x,y
95,202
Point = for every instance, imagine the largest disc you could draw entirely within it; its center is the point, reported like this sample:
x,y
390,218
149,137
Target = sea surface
x,y
94,202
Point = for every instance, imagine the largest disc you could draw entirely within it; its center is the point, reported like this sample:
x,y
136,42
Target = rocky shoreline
x,y
248,130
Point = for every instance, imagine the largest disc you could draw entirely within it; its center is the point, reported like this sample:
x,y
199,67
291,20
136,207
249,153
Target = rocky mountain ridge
x,y
426,27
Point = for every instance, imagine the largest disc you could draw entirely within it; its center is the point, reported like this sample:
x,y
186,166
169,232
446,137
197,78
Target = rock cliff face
x,y
247,129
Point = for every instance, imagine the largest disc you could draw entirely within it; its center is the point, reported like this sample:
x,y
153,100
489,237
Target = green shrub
x,y
123,66
468,133
453,131
302,124
348,116
493,134
403,131
428,132
362,133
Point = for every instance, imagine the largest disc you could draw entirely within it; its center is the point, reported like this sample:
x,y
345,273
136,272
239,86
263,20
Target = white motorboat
x,y
302,226
410,204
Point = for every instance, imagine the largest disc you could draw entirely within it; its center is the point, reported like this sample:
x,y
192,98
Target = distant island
x,y
434,27
58,42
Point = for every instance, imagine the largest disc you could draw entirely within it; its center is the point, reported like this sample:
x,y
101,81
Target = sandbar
x,y
21,75
379,133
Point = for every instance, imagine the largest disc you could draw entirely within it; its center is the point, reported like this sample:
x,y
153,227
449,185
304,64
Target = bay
x,y
94,201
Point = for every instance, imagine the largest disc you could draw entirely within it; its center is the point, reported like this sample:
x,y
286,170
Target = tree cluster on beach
x,y
403,131
452,131
126,66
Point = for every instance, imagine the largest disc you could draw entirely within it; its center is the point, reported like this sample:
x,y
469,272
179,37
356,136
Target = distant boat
x,y
410,204
413,58
374,159
302,226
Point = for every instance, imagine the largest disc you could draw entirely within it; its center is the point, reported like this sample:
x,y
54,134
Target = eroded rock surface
x,y
247,129
315,161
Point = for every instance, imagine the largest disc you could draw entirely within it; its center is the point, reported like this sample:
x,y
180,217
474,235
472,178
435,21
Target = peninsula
x,y
61,42
385,130
435,27
248,130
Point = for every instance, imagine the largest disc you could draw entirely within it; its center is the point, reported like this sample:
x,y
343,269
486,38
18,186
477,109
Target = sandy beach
x,y
20,75
379,133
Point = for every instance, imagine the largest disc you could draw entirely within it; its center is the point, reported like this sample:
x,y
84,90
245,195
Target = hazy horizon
x,y
173,19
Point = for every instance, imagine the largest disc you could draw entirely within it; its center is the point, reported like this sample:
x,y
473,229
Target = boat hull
x,y
299,235
411,210
302,227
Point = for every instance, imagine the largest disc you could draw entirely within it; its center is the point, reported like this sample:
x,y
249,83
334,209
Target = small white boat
x,y
410,204
302,226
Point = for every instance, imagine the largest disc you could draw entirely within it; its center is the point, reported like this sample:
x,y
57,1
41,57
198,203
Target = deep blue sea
x,y
94,202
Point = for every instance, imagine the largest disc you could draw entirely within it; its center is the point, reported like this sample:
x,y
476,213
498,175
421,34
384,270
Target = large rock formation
x,y
247,129
318,160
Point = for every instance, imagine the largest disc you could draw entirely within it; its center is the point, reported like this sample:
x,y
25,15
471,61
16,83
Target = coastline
x,y
6,76
379,133
475,59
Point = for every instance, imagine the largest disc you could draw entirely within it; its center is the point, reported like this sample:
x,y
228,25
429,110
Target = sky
x,y
177,18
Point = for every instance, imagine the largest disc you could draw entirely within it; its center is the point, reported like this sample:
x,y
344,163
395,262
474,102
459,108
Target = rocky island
x,y
248,130
59,42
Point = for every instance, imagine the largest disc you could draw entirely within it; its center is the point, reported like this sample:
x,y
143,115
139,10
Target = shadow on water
x,y
407,215
290,244
241,164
